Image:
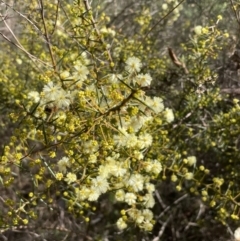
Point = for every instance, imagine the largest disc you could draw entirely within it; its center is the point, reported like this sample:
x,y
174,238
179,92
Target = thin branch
x,y
18,44
119,14
231,91
93,22
47,36
10,30
160,199
55,21
32,57
190,224
161,231
175,203
160,20
201,210
235,12
23,16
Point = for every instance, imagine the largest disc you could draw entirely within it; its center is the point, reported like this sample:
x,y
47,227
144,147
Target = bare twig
x,y
169,207
201,210
47,35
119,15
22,15
32,57
231,91
160,199
10,30
190,224
161,231
235,12
56,18
184,118
93,22
160,20
16,42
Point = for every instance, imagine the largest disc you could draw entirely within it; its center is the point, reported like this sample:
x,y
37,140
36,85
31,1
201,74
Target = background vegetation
x,y
106,100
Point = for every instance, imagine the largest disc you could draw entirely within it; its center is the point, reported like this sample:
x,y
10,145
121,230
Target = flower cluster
x,y
237,234
55,95
60,95
111,154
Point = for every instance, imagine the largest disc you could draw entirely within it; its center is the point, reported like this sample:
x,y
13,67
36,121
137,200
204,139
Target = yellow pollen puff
x,y
235,217
179,188
123,212
59,176
204,193
174,178
212,203
25,221
52,154
226,35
